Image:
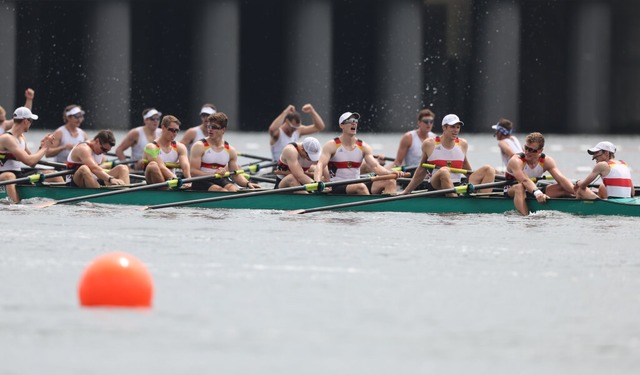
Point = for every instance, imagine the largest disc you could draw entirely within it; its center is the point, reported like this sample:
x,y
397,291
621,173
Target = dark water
x,y
246,292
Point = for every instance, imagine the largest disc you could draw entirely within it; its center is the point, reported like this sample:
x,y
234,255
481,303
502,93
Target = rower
x,y
213,155
615,174
138,137
69,134
14,150
448,151
165,150
507,142
192,135
297,163
533,163
86,158
288,127
342,157
6,124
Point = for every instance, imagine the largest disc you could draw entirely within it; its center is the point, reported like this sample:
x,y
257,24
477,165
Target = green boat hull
x,y
492,204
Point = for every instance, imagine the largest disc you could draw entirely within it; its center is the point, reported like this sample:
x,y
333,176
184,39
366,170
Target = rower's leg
x,y
152,173
84,178
484,175
384,186
121,172
12,193
357,189
442,180
52,179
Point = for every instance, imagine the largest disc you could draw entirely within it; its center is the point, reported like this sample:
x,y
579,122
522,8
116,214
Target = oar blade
x,y
45,205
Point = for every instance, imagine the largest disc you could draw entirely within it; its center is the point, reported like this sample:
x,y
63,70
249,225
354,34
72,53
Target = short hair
x,y
293,117
106,136
168,119
424,113
219,118
507,124
536,137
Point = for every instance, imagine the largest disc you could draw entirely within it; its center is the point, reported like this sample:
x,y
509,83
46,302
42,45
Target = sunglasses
x,y
154,118
78,116
214,127
427,121
174,130
350,121
104,149
204,115
529,149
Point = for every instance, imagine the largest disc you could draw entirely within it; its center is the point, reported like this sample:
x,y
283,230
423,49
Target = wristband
x,y
537,193
110,178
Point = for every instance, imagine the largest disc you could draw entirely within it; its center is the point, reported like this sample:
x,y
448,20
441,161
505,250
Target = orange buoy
x,y
116,279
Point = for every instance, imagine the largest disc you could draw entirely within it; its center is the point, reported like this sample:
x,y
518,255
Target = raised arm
x,y
318,124
29,94
274,128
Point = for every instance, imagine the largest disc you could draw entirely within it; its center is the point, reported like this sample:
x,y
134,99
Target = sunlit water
x,y
248,292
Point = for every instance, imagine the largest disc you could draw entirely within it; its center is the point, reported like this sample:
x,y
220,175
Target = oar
x,y
52,164
38,177
462,189
173,183
249,156
262,179
316,186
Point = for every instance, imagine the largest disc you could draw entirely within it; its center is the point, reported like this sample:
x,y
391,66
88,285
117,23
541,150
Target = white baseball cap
x,y
602,146
312,147
346,115
451,119
151,113
22,113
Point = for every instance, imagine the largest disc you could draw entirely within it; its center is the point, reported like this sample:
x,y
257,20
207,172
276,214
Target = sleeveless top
x,y
71,164
443,157
618,181
8,161
199,135
345,164
283,140
166,157
137,150
514,145
211,159
414,153
66,139
304,163
536,171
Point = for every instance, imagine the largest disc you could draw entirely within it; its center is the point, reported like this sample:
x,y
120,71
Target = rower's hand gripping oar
x,y
462,189
315,186
173,183
35,178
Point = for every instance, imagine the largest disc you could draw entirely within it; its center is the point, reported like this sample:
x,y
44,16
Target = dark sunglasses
x,y
529,149
104,149
173,130
350,121
427,121
214,127
154,118
78,116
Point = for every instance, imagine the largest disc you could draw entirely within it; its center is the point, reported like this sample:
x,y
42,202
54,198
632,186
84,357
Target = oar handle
x,y
37,177
454,170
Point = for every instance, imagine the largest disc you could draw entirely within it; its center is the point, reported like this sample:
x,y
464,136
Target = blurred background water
x,y
250,291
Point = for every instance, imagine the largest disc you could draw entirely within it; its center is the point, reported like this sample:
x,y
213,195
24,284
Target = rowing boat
x,y
468,204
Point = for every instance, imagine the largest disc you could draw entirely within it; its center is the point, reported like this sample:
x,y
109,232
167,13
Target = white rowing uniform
x,y
283,140
68,139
